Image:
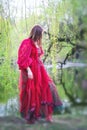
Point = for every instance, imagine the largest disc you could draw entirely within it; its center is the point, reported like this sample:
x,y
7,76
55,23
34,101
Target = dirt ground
x,y
62,122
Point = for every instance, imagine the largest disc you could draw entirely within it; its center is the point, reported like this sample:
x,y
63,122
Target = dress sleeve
x,y
24,52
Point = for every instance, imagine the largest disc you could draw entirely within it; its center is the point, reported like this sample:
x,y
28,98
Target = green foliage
x,y
8,75
8,82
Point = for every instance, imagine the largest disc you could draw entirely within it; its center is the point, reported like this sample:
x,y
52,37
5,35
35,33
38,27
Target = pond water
x,y
10,107
67,65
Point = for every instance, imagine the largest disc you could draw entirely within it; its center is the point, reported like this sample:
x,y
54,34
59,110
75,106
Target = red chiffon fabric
x,y
38,92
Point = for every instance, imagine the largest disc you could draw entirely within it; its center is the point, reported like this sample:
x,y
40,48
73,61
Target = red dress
x,y
40,91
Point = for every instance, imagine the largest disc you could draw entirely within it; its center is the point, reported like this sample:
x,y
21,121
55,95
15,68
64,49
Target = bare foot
x,y
49,119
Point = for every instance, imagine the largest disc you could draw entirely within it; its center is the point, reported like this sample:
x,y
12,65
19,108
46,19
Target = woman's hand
x,y
30,74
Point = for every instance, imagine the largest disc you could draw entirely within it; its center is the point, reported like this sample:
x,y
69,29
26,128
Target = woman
x,y
38,94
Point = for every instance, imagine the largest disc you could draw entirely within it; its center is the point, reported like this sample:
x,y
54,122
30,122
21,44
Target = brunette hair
x,y
36,33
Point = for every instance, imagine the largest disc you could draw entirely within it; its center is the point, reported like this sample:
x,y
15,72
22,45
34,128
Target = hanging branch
x,y
68,40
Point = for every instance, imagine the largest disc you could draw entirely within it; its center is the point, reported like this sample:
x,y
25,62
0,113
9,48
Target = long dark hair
x,y
36,33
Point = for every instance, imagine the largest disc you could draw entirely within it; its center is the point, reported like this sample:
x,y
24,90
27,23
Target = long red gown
x,y
38,92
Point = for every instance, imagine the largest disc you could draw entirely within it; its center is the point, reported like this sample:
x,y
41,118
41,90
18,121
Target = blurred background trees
x,y
64,42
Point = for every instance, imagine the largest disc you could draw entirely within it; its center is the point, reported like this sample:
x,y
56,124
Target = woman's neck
x,y
36,44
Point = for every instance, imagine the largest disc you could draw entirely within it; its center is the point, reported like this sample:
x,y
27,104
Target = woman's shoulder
x,y
26,42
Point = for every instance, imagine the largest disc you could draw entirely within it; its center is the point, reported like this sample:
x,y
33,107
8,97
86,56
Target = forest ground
x,y
60,122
